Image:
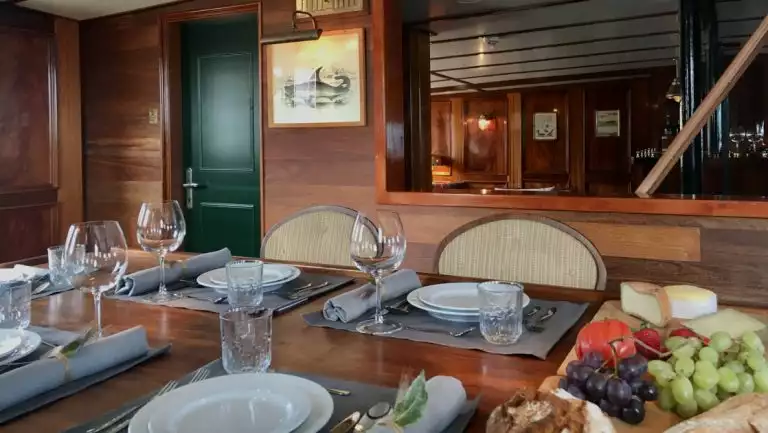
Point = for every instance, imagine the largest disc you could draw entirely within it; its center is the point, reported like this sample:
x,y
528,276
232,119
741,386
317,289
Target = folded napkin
x,y
445,398
147,280
351,305
47,374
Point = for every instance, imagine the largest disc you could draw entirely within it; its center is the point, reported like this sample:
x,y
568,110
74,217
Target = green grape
x,y
705,399
667,399
657,367
735,366
672,360
744,354
663,382
761,380
684,351
683,390
684,366
756,362
723,395
705,379
751,340
673,343
695,342
705,366
746,383
720,341
728,380
687,410
709,354
730,356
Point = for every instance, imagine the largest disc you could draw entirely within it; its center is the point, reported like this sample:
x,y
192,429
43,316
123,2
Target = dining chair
x,y
523,248
318,235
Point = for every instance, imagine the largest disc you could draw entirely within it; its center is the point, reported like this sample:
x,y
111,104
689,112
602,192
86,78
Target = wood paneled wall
x,y
305,167
40,144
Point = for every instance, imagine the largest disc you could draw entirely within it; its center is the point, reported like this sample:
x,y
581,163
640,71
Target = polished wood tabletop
x,y
296,348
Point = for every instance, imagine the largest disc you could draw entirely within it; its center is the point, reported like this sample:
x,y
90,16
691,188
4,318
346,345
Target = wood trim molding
x,y
170,97
515,140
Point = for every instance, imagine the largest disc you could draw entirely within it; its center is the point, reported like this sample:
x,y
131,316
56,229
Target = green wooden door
x,y
220,59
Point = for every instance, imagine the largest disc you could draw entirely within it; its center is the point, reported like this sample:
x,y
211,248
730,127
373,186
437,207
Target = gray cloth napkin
x,y
537,344
148,280
46,374
351,305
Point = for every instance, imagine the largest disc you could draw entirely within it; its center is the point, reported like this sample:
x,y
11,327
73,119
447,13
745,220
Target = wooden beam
x,y
693,126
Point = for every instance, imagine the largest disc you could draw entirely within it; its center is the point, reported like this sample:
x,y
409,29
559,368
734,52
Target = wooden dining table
x,y
296,347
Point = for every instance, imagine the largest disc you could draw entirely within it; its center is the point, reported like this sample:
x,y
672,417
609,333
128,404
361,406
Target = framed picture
x,y
545,126
318,83
607,123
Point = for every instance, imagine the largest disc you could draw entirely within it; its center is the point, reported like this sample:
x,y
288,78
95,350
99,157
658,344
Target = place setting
x,y
492,316
212,281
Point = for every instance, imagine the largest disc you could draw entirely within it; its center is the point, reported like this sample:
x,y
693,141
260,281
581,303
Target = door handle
x,y
189,186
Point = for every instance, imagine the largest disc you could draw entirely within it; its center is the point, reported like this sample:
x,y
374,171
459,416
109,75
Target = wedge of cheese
x,y
734,322
657,305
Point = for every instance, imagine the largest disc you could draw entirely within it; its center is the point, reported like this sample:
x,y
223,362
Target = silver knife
x,y
347,424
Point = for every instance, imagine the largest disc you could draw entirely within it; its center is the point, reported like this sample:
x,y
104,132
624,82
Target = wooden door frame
x,y
171,87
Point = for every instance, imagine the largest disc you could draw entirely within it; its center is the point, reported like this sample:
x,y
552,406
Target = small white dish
x,y
20,345
455,297
243,403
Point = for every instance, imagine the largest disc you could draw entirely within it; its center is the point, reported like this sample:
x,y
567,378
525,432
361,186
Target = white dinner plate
x,y
455,296
10,275
451,316
217,279
14,346
242,403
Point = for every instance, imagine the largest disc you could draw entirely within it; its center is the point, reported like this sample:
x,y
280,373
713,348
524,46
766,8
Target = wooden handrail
x,y
693,126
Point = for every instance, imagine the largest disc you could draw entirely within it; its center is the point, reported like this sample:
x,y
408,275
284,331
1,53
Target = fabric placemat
x,y
201,298
53,336
362,397
537,344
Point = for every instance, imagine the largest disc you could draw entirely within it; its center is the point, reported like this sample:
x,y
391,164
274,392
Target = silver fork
x,y
124,418
459,333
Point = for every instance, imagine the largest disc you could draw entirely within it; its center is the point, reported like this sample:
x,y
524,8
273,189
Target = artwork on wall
x,y
607,123
317,83
545,126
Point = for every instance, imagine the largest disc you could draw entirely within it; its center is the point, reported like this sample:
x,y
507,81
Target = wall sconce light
x,y
485,122
674,92
295,35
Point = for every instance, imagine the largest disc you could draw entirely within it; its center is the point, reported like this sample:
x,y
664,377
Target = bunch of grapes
x,y
620,393
697,378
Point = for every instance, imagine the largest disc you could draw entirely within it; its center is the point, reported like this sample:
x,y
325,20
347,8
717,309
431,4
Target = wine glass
x,y
377,247
96,255
161,228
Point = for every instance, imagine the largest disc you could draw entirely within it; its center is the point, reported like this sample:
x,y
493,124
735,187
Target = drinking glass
x,y
161,228
96,256
377,247
57,267
15,303
244,279
246,339
501,311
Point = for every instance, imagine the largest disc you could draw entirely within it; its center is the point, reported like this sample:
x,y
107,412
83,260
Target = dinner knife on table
x,y
309,297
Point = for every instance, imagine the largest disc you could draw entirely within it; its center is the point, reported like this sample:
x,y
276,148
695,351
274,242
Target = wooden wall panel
x,y
29,230
607,158
545,162
485,151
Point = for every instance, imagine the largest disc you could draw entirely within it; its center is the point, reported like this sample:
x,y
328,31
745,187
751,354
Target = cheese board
x,y
656,419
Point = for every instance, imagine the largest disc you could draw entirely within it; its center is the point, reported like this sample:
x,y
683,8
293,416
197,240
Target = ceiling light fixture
x,y
295,35
675,92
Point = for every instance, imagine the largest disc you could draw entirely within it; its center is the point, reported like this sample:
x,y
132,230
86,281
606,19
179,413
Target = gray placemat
x,y
57,337
536,344
362,397
201,298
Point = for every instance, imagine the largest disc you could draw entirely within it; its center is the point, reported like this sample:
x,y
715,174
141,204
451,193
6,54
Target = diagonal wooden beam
x,y
459,80
702,114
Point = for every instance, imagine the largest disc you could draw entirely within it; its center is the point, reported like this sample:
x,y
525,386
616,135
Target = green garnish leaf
x,y
410,406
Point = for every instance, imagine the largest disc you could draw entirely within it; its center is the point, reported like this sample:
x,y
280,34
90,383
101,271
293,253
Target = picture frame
x,y
317,84
545,126
607,123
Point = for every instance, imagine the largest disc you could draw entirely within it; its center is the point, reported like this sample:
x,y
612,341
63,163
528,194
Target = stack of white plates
x,y
241,403
457,302
274,276
15,344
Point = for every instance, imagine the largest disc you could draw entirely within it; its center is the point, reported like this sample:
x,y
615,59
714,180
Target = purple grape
x,y
580,374
648,392
593,359
634,412
576,392
618,392
595,385
571,366
636,384
632,367
609,408
563,383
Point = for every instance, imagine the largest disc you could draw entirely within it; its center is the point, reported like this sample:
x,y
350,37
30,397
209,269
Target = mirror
x,y
580,97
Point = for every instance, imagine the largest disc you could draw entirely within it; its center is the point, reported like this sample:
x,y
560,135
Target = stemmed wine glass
x,y
96,255
377,247
161,228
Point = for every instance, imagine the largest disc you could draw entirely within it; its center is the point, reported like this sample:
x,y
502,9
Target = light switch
x,y
153,116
